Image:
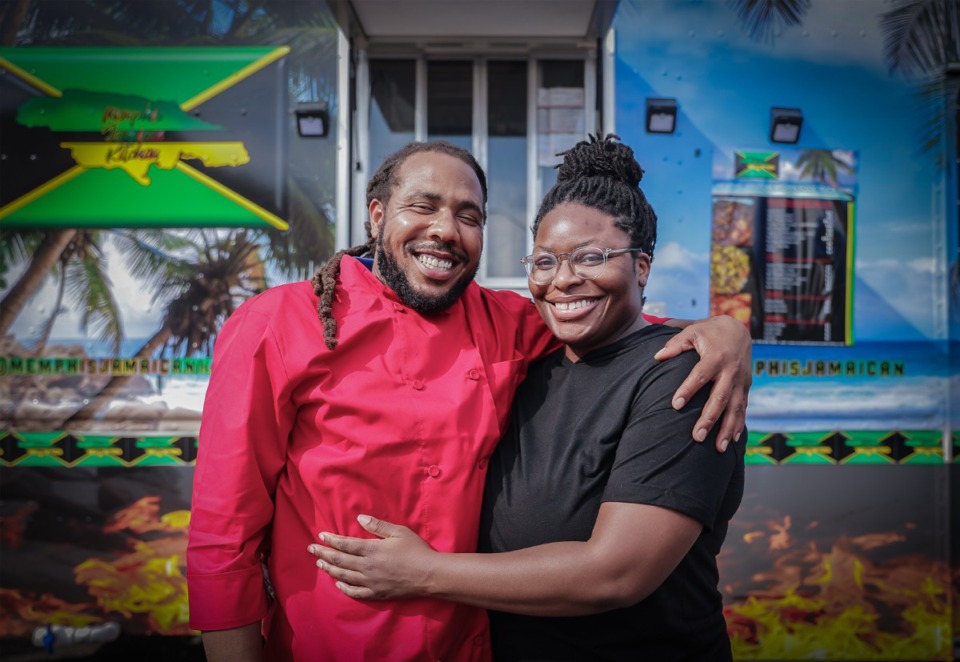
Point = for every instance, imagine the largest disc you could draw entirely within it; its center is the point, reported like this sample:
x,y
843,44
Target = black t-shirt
x,y
603,429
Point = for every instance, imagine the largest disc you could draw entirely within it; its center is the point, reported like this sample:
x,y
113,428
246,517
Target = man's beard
x,y
393,277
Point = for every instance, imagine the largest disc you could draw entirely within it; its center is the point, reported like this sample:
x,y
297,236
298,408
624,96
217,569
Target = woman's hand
x,y
396,566
725,350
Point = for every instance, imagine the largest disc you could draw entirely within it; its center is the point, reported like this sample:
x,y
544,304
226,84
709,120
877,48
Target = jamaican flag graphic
x,y
142,137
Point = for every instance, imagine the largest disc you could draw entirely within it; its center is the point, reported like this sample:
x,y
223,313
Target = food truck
x,y
162,162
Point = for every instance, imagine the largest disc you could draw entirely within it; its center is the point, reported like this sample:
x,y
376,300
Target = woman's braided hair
x,y
380,187
602,173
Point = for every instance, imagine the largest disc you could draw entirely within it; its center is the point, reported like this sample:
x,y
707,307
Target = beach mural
x,y
146,192
124,168
130,198
839,253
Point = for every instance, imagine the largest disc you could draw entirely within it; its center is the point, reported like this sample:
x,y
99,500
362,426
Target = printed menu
x,y
782,244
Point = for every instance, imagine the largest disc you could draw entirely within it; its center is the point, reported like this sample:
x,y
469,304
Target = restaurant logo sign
x,y
141,137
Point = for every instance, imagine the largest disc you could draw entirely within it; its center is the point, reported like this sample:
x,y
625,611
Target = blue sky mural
x,y
832,67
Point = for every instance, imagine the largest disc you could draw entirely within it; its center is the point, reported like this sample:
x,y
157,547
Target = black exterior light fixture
x,y
313,120
661,115
785,124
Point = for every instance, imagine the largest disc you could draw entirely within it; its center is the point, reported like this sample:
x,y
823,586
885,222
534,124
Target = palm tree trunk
x,y
109,392
46,256
11,18
48,325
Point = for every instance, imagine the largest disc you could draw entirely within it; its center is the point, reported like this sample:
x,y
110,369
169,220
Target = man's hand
x,y
726,351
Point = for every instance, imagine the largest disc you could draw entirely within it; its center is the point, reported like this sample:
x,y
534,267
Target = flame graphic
x,y
24,613
149,579
144,582
839,604
12,526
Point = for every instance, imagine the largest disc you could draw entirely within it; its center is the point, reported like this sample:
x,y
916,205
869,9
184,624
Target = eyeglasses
x,y
587,262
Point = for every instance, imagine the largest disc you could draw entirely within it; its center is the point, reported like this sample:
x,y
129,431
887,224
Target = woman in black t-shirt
x,y
602,517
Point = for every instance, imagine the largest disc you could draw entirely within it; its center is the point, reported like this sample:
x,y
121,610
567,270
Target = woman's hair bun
x,y
600,157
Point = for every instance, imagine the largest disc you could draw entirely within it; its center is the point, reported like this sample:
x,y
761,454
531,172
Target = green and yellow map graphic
x,y
120,115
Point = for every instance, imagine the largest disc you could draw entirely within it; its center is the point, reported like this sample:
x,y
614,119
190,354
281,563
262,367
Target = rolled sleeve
x,y
242,449
658,462
227,600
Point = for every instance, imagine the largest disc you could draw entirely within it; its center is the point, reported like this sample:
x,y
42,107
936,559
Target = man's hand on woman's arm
x,y
726,351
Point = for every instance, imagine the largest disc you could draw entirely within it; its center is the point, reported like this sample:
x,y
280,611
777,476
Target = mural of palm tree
x,y
822,165
43,250
81,273
922,39
305,27
203,283
764,19
82,270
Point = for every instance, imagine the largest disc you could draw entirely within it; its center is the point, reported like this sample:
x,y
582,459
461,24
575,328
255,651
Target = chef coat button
x,y
483,462
473,374
434,471
399,308
418,384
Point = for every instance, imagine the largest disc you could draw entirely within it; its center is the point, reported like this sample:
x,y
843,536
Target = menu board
x,y
804,277
731,285
782,245
779,265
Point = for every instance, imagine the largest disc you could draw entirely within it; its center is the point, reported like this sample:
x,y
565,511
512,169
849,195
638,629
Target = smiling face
x,y
430,232
588,314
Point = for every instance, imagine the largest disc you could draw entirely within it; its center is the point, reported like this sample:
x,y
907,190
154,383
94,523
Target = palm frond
x,y
822,165
934,95
309,241
228,270
152,255
916,35
16,247
764,19
89,285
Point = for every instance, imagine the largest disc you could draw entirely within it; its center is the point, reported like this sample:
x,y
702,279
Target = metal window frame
x,y
357,169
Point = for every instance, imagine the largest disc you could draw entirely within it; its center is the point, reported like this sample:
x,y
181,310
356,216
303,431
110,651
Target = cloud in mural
x,y
910,403
676,277
674,256
140,313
